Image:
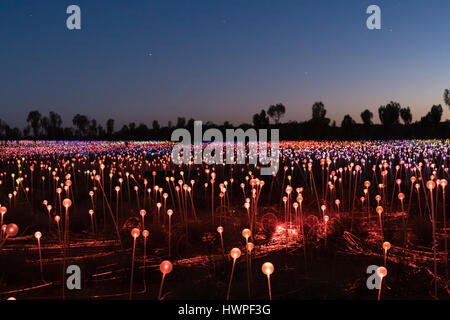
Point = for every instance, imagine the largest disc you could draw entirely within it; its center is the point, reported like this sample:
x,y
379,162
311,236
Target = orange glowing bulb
x,y
246,233
235,253
379,209
67,203
267,268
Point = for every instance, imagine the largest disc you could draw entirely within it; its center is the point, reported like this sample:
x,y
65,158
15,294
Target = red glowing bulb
x,y
166,267
135,233
12,229
382,272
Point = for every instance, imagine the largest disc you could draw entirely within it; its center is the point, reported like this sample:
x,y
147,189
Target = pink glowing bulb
x,y
337,201
166,267
57,218
117,189
220,229
250,247
267,268
246,205
401,196
142,213
326,218
145,233
170,212
443,183
235,253
37,235
158,205
135,233
323,207
3,210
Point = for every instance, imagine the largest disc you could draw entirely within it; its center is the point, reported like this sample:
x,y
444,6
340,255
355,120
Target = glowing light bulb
x,y
235,253
166,267
267,268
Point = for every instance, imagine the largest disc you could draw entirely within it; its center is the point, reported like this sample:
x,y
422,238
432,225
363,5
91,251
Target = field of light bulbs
x,y
137,226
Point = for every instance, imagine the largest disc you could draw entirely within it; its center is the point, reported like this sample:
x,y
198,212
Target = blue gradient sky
x,y
220,60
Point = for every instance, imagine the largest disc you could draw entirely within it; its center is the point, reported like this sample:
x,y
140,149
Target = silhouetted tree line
x,y
396,123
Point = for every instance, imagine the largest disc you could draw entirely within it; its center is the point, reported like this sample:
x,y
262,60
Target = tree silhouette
x,y
276,112
389,114
81,122
93,128
34,119
405,114
348,123
155,125
260,119
447,97
3,128
366,117
110,127
435,114
54,125
319,122
318,111
181,122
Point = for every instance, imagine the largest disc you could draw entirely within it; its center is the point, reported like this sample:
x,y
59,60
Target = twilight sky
x,y
220,60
